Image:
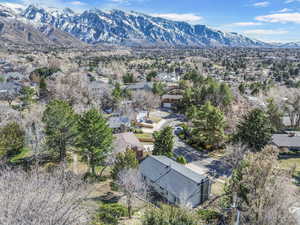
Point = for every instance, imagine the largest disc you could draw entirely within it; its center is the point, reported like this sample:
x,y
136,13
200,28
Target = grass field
x,y
155,119
217,188
23,154
291,163
145,137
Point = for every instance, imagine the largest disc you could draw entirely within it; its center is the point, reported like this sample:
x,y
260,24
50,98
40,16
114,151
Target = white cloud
x,y
291,1
265,32
261,4
187,17
284,10
78,3
45,3
280,18
246,24
12,5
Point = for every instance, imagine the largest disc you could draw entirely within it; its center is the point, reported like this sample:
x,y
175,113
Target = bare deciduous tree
x,y
70,87
54,62
265,191
133,186
126,109
145,100
34,129
234,155
7,115
292,108
40,198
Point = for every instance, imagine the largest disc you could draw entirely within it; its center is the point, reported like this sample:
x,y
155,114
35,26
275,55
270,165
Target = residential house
x,y
176,183
13,76
125,141
11,88
119,123
170,101
7,68
142,116
290,141
141,86
97,87
168,77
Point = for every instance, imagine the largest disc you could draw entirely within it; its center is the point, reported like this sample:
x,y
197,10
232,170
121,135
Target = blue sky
x,y
273,20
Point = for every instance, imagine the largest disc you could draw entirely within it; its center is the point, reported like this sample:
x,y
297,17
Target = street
x,y
199,162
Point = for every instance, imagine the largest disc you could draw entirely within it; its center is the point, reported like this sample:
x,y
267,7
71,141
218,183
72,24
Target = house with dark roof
x,y
176,183
289,141
170,101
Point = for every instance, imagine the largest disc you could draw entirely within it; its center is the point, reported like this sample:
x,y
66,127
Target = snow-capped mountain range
x,y
119,27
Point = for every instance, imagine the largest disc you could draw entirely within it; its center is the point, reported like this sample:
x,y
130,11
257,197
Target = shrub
x,y
208,215
169,215
43,72
12,140
128,78
181,160
110,213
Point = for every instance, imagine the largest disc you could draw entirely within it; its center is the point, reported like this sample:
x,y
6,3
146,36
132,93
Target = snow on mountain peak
x,y
117,26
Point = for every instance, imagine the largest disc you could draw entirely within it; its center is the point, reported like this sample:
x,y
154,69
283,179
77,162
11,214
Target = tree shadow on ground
x,y
108,197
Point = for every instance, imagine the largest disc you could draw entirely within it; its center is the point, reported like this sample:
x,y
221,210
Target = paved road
x,y
200,162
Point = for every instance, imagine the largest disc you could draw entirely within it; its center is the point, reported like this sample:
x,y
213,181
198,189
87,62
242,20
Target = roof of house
x,y
176,97
99,85
140,85
117,121
128,140
12,87
14,75
171,176
286,140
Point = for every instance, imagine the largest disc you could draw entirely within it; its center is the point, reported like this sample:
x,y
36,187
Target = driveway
x,y
161,124
200,162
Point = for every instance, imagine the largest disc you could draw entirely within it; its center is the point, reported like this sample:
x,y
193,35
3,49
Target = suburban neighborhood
x,y
128,131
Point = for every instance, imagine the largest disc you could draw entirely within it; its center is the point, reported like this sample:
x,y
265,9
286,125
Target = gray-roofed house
x,y
176,183
288,141
168,77
119,123
12,88
97,87
13,76
146,86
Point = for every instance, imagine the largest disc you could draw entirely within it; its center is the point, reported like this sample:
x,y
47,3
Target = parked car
x,y
178,130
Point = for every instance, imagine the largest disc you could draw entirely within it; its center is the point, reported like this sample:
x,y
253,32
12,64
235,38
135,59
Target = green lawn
x,y
23,154
290,163
155,119
145,137
217,188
